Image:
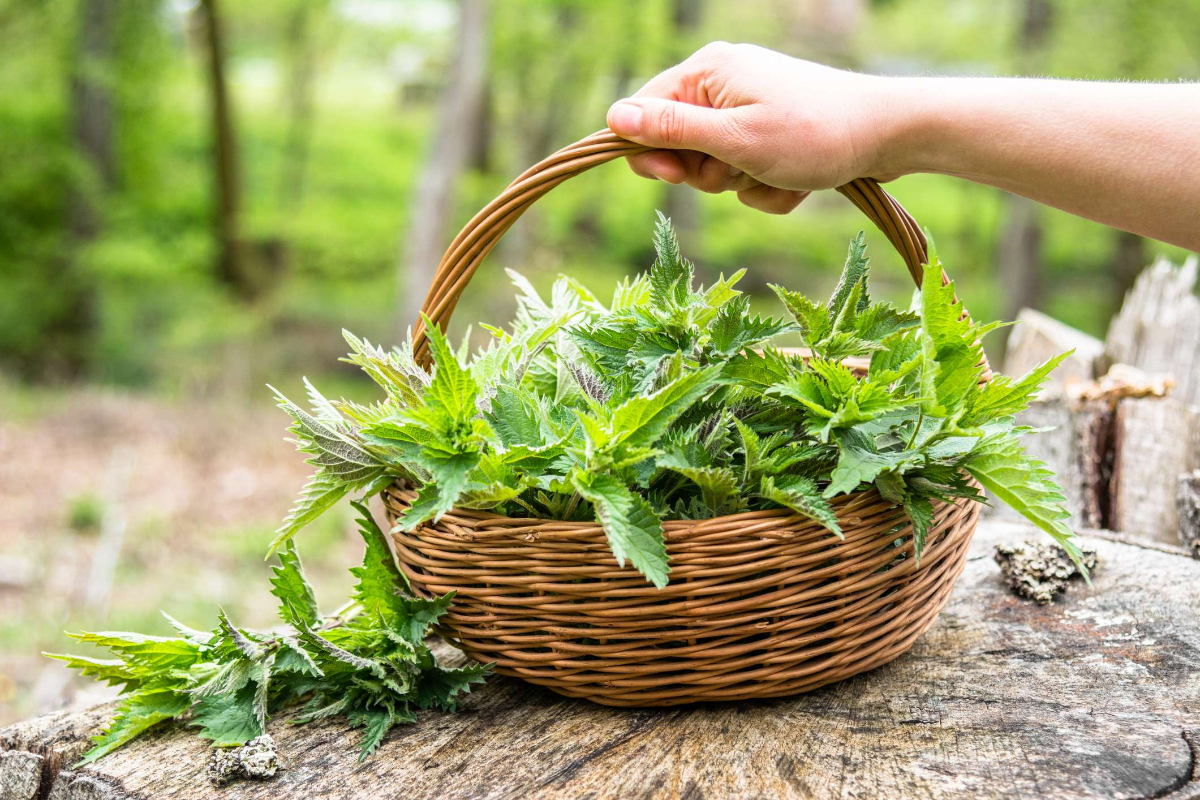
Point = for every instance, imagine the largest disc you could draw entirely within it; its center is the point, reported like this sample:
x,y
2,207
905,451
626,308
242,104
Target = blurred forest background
x,y
197,195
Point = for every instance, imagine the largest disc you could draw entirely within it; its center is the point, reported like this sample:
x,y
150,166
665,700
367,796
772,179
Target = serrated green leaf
x,y
441,687
920,514
228,720
136,713
1001,464
379,578
291,588
802,496
417,614
640,421
634,531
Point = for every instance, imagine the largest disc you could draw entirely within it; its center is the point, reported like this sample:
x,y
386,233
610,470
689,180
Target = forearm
x,y
1127,155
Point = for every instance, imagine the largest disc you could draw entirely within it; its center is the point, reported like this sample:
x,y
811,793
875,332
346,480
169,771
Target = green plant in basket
x,y
667,402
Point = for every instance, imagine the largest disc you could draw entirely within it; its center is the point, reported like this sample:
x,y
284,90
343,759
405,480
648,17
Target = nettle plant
x,y
669,403
367,663
666,403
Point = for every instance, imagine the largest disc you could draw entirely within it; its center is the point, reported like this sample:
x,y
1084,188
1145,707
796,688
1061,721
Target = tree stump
x,y
1158,327
1095,695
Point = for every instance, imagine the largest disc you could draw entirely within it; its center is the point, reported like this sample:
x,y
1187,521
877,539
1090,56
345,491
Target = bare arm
x,y
772,128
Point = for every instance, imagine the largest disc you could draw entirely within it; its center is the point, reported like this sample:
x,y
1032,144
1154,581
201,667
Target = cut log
x,y
1094,695
1155,440
1158,327
1077,449
1037,337
1188,505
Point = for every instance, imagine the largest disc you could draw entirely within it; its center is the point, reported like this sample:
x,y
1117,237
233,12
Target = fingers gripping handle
x,y
481,234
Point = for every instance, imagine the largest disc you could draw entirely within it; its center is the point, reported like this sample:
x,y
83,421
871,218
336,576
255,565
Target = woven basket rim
x,y
482,524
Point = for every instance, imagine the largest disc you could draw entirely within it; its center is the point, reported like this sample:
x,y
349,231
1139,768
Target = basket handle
x,y
480,235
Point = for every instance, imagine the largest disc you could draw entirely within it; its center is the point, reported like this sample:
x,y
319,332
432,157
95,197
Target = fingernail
x,y
625,119
734,172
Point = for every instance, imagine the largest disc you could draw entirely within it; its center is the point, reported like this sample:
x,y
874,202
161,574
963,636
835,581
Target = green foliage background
x,y
139,304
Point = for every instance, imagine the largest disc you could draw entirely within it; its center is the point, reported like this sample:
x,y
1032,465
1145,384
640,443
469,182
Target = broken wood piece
x,y
1093,696
1155,440
1158,327
1187,501
1038,337
1121,381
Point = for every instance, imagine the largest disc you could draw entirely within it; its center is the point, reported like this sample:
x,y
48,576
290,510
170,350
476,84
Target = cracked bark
x,y
1095,695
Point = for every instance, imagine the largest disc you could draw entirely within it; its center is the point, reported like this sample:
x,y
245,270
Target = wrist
x,y
913,121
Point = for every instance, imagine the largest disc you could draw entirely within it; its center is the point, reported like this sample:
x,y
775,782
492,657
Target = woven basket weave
x,y
760,604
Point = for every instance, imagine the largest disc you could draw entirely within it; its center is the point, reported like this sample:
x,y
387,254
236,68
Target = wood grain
x,y
1155,440
1097,695
1158,327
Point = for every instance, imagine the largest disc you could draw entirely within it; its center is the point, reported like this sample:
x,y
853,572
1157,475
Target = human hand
x,y
741,118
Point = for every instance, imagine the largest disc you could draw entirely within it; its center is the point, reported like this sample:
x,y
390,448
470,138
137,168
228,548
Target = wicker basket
x,y
760,604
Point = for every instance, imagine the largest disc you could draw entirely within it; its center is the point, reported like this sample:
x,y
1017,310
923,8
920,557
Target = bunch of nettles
x,y
368,664
668,402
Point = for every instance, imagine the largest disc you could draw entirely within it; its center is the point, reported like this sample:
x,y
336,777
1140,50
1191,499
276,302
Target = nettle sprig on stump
x,y
368,664
669,402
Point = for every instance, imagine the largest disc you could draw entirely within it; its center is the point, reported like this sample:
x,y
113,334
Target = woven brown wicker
x,y
760,604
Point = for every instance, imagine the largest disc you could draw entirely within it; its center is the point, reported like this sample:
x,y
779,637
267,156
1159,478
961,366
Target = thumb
x,y
670,124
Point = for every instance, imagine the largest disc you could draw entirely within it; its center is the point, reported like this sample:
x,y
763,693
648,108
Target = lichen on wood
x,y
1039,572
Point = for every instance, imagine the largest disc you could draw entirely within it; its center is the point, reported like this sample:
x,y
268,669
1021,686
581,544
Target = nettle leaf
x,y
853,281
718,485
634,531
920,514
113,671
149,652
733,329
671,275
415,615
639,422
802,496
441,688
228,720
1002,466
812,318
451,475
379,578
515,420
292,589
396,372
136,713
453,389
1003,396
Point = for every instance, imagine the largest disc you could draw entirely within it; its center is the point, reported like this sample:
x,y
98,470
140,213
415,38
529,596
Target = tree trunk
x,y
1129,259
432,206
301,59
91,104
231,267
92,127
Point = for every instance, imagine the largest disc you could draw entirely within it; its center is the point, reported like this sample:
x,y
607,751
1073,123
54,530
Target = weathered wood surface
x,y
1187,503
1038,337
1158,327
1096,695
1155,440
